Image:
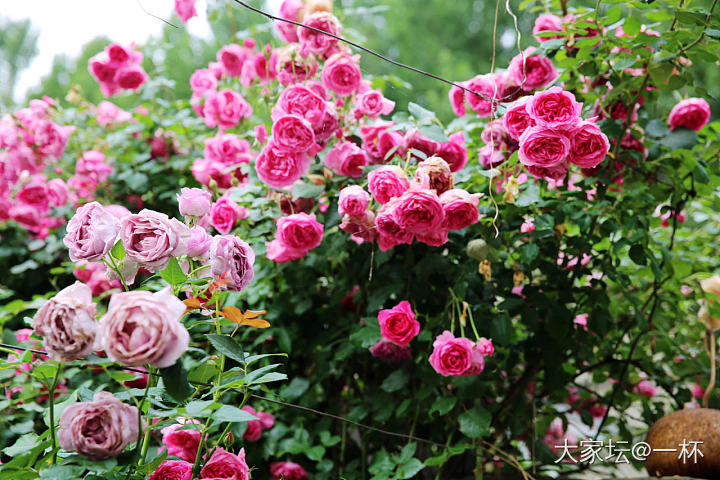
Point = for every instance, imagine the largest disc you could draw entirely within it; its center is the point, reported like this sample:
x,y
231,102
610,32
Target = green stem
x,y
146,438
51,400
114,267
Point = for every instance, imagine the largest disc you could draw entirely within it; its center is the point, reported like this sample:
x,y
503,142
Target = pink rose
x,y
292,67
489,91
554,108
99,429
485,347
67,323
194,202
202,82
460,209
434,173
692,113
398,324
110,114
419,211
581,320
91,233
225,213
554,172
131,77
173,469
390,233
645,388
228,149
547,23
185,10
387,182
92,164
341,74
588,145
94,275
299,232
543,147
117,211
254,429
294,134
414,140
199,242
380,143
287,471
353,201
531,72
290,10
182,440
346,159
142,327
150,238
233,57
517,119
457,101
261,134
373,104
456,357
231,257
390,352
225,109
454,152
35,195
225,465
315,42
361,228
277,168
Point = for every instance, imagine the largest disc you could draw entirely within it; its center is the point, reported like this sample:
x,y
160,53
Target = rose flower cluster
x,y
118,68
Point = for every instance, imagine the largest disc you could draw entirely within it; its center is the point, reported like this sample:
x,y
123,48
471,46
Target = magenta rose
x,y
387,182
517,119
91,233
181,440
233,57
390,352
225,213
419,211
194,202
142,327
489,91
373,104
287,471
131,77
110,114
554,172
485,347
389,232
99,429
265,421
290,10
434,173
353,201
185,9
315,42
398,324
433,238
299,232
228,149
460,209
57,192
588,145
294,134
414,140
456,357
225,109
346,159
457,100
234,259
35,195
300,101
225,465
150,238
277,168
543,147
67,323
341,74
173,470
692,113
454,152
202,82
547,23
291,67
531,72
554,108
361,228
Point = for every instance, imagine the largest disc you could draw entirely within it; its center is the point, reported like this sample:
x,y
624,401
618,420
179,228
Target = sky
x,y
64,26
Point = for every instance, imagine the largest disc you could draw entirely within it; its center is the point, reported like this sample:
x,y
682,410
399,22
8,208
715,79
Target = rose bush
x,y
500,278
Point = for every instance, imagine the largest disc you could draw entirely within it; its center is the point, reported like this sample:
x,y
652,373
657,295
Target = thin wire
x,y
153,15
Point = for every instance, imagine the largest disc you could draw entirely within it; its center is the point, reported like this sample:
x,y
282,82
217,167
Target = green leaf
x,y
434,132
410,469
227,346
395,381
61,472
307,190
637,255
680,138
198,408
203,372
270,377
660,72
176,382
422,115
228,413
700,174
529,252
690,18
530,196
475,422
22,445
632,26
366,337
295,388
657,128
118,251
173,274
443,405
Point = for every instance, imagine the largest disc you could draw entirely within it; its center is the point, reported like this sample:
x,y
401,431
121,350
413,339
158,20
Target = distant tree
x,y
18,46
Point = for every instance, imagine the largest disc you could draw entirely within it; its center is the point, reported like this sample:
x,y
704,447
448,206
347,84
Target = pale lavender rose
x,y
194,202
199,242
99,429
141,327
233,258
67,323
91,233
150,238
353,201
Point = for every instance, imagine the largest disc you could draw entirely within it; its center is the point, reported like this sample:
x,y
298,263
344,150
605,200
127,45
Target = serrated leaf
x,y
443,405
172,273
118,251
434,132
395,381
22,445
227,346
422,115
307,190
680,138
228,413
529,252
475,422
176,381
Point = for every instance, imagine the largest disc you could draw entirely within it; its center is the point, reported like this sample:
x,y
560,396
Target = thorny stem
x,y
51,400
148,431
